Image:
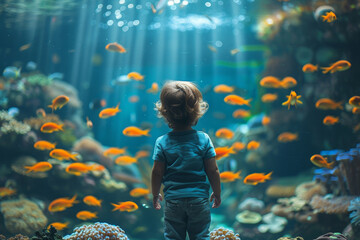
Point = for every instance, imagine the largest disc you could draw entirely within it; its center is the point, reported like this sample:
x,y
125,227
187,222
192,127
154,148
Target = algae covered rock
x,y
22,216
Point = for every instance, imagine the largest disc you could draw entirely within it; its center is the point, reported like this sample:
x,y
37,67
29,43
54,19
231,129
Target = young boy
x,y
182,160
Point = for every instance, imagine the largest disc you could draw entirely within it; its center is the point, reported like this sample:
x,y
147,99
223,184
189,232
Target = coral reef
x,y
38,79
276,191
19,237
331,236
331,205
307,190
90,150
22,216
96,231
248,217
10,129
19,164
354,208
223,234
252,204
37,122
47,234
58,87
272,223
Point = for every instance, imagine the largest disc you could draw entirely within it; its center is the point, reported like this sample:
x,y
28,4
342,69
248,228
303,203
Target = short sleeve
x,y
209,150
158,152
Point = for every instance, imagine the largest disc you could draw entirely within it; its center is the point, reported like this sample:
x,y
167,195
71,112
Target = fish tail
x,y
238,174
73,199
268,176
116,207
61,127
326,69
73,156
331,165
231,150
95,215
117,106
247,102
29,169
146,132
52,107
339,105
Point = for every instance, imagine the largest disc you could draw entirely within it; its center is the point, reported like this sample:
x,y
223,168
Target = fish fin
x,y
61,127
339,105
29,169
73,156
146,132
117,106
331,165
299,102
326,69
52,107
231,150
248,102
238,174
268,176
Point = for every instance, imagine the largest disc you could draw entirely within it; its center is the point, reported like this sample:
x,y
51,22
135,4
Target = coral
x,y
96,231
276,191
252,204
331,236
37,122
89,149
19,164
22,216
248,217
58,87
9,125
66,137
2,237
110,185
328,205
223,234
47,234
307,190
289,238
354,208
273,223
19,237
39,79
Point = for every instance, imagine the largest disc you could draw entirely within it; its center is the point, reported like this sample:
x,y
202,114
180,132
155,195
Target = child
x,y
182,160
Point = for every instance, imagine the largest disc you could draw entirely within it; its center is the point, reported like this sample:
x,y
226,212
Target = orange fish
x,y
92,201
330,120
24,47
356,110
134,99
355,101
125,160
329,17
44,145
61,154
288,82
86,215
328,104
265,120
89,123
109,112
41,112
320,161
270,82
255,178
139,192
224,133
4,191
236,100
269,97
229,176
153,9
136,76
60,204
287,137
234,51
125,206
58,225
238,146
142,154
78,168
356,128
113,151
309,68
135,132
115,47
241,113
50,127
292,99
341,65
212,48
222,152
39,167
222,88
154,88
59,102
253,145
98,167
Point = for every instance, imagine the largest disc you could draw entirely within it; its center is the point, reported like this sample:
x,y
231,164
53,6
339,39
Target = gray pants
x,y
191,215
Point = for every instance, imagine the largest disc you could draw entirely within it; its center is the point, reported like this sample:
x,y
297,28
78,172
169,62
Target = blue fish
x,y
56,75
120,80
31,66
13,111
11,72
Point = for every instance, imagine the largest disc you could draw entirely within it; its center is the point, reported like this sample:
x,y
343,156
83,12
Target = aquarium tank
x,y
79,84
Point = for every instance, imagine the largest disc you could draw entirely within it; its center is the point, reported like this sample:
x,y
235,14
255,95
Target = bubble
x,y
208,4
170,3
136,22
130,5
122,8
125,28
110,22
100,5
107,13
185,2
138,7
120,23
108,7
121,1
218,43
117,12
173,7
322,10
118,16
176,1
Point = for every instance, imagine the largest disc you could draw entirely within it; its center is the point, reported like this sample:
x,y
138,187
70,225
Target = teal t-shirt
x,y
184,154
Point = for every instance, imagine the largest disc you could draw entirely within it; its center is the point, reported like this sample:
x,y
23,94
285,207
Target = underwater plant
x,y
354,208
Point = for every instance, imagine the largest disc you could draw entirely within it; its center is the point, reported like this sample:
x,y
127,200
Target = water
x,y
51,48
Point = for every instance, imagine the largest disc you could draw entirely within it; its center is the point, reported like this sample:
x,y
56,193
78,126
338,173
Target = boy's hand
x,y
156,201
217,200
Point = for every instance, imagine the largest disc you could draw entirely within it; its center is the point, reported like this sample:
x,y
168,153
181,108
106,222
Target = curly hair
x,y
181,104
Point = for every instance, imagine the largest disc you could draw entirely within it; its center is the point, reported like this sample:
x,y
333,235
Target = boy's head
x,y
181,104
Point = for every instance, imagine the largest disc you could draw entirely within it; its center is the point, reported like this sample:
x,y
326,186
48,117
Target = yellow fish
x,y
292,99
136,76
229,176
255,178
320,161
58,225
128,206
135,132
59,102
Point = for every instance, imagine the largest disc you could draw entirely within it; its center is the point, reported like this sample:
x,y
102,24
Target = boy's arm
x,y
156,177
213,174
